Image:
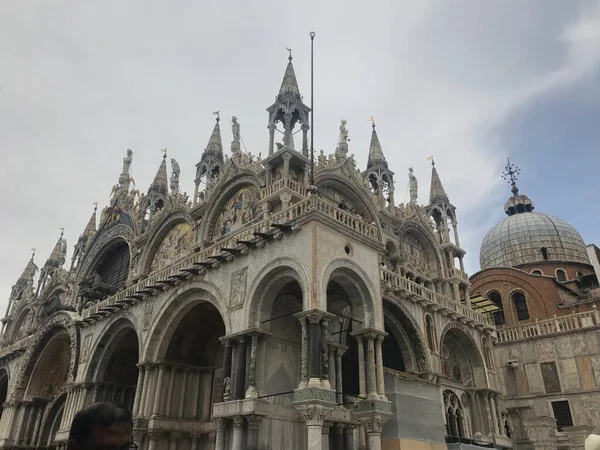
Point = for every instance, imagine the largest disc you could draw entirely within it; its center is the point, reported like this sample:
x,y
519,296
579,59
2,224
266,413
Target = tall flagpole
x,y
312,112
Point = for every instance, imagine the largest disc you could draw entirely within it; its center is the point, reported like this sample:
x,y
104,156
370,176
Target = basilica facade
x,y
283,305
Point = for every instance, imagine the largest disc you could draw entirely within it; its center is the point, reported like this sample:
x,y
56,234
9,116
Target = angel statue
x,y
175,176
343,132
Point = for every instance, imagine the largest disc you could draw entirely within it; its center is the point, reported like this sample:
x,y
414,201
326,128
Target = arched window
x,y
455,417
496,298
430,328
544,251
536,272
561,275
520,305
114,265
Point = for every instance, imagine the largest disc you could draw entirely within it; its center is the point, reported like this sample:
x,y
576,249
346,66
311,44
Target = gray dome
x,y
519,239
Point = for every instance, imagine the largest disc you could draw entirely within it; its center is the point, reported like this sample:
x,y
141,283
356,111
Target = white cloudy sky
x,y
471,82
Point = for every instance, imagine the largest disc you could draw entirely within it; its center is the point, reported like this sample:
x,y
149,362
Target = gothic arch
x,y
58,322
357,284
402,317
268,282
103,242
427,240
105,345
20,319
157,234
174,308
217,202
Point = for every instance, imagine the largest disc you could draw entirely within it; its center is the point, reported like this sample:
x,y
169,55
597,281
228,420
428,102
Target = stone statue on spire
x,y
413,186
235,129
175,176
343,132
127,162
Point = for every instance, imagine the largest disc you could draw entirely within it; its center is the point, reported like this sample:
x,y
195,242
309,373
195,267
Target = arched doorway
x,y
43,411
113,368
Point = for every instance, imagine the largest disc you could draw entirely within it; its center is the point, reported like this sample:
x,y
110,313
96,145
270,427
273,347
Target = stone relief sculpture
x,y
175,176
226,389
93,289
413,186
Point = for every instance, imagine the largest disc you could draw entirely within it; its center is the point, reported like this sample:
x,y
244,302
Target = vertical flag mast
x,y
312,113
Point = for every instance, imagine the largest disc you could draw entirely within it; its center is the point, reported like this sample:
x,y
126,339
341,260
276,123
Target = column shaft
x,y
159,391
196,379
379,366
226,363
315,439
362,386
338,376
240,375
171,392
371,376
314,361
325,354
238,433
182,399
374,441
251,393
304,354
220,435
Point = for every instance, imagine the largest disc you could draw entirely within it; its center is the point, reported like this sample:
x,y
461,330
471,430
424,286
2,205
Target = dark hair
x,y
102,414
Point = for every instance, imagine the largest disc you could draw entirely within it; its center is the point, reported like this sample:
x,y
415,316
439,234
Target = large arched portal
x,y
282,348
44,404
187,379
113,368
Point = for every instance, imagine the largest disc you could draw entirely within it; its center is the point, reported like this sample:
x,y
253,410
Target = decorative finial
x,y
510,174
289,50
432,161
62,231
217,113
32,253
164,150
95,206
372,120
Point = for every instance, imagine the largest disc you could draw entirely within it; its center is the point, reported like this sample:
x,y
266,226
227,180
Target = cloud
x,y
83,82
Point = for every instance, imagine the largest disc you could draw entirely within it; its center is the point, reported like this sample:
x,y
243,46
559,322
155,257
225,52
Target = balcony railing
x,y
278,185
420,263
348,219
571,322
454,272
396,282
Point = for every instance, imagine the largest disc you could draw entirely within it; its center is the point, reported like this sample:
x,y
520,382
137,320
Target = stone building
x,y
277,308
537,271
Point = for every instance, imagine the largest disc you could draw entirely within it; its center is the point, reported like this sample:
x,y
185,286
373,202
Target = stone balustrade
x,y
571,322
405,286
283,183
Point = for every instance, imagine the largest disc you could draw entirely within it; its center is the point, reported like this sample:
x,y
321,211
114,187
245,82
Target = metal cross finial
x,y
164,150
217,113
511,174
372,120
62,231
432,160
32,253
95,206
289,50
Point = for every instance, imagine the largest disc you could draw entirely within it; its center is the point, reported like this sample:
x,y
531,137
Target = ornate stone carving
x,y
314,414
147,314
238,421
175,170
239,280
254,421
413,186
85,348
374,424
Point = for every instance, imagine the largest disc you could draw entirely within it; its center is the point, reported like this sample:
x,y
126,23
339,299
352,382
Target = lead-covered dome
x,y
529,237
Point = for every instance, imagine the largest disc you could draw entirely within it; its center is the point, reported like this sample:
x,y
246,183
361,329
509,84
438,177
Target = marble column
x,y
36,428
196,381
304,354
240,375
501,429
271,137
20,421
165,411
220,435
475,413
350,440
159,391
195,438
362,385
314,351
325,354
338,440
252,392
171,391
373,427
184,393
153,438
151,375
332,369
456,291
226,362
253,421
485,404
371,375
493,411
286,165
207,384
237,441
305,128
30,422
173,438
379,366
339,352
325,435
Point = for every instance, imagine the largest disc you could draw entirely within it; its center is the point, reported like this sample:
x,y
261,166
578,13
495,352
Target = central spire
x,y
376,156
289,83
437,194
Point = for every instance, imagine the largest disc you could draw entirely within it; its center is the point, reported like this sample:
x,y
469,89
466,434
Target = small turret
x,y
211,163
55,261
378,175
84,240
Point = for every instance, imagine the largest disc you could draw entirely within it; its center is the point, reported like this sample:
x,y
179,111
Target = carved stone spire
x,y
211,163
376,156
215,145
289,85
160,184
30,269
437,194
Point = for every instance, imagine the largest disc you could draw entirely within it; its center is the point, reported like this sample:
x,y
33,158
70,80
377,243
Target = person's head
x,y
101,426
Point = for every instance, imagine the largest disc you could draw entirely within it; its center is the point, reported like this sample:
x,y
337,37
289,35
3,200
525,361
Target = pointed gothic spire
x,y
437,194
57,257
376,156
90,228
215,145
289,83
160,184
30,269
